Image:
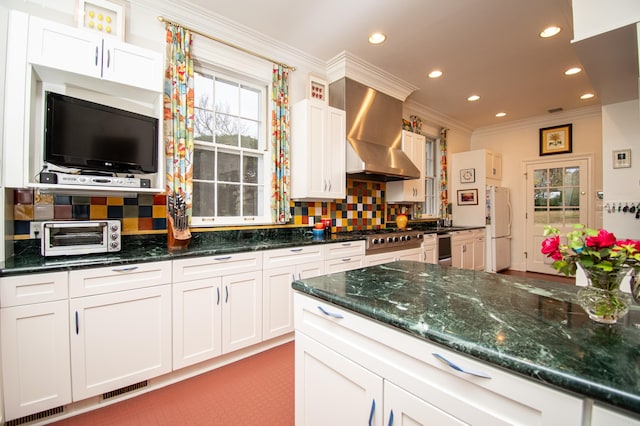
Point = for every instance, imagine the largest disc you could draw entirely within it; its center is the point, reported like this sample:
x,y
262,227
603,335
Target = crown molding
x,y
542,121
207,22
346,64
437,118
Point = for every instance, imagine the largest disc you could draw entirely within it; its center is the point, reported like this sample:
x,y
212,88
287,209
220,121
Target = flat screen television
x,y
89,136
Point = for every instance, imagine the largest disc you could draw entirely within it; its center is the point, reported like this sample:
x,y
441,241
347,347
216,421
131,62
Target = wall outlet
x,y
35,229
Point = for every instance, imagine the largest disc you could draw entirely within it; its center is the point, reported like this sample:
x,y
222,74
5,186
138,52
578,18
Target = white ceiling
x,y
485,47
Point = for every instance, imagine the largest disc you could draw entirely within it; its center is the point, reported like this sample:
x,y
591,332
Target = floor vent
x,y
36,416
125,389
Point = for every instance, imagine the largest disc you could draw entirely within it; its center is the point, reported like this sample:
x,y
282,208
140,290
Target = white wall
x,y
621,130
520,142
592,17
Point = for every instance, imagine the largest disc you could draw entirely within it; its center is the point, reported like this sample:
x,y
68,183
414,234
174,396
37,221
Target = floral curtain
x,y
280,209
444,190
178,129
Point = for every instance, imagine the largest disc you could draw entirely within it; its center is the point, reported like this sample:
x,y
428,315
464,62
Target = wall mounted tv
x,y
89,136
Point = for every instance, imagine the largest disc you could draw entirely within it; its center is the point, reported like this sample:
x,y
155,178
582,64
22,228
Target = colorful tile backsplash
x,y
363,208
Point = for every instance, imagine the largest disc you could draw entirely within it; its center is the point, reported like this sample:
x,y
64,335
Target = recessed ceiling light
x,y
473,98
572,71
435,74
587,96
501,114
377,38
550,31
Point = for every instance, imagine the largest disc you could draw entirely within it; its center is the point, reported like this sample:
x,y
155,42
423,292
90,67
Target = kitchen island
x,y
474,347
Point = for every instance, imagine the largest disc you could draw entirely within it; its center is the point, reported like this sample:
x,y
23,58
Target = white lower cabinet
x,y
333,390
34,343
342,360
430,247
603,416
344,256
118,339
217,306
197,321
416,254
468,249
280,268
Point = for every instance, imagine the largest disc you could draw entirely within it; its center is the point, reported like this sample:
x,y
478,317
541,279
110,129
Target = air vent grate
x,y
123,390
36,416
552,110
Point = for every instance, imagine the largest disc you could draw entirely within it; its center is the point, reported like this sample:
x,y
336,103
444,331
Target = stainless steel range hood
x,y
374,132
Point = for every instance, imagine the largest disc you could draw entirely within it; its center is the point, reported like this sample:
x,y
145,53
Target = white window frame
x,y
432,201
262,85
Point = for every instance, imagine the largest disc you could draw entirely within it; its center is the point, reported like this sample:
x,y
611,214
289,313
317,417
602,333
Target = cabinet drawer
x,y
292,256
411,363
430,238
346,249
33,288
214,266
88,282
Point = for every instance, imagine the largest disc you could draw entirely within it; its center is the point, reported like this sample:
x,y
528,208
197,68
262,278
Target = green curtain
x,y
280,209
444,188
178,127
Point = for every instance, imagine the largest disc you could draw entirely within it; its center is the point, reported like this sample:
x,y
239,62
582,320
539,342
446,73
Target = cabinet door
x,y
35,357
132,65
332,390
430,246
277,301
197,321
335,154
479,251
241,310
457,253
404,409
411,190
119,339
64,48
602,416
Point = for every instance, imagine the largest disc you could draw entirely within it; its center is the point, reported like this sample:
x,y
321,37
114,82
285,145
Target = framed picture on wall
x,y
318,89
467,197
467,175
555,140
102,16
621,158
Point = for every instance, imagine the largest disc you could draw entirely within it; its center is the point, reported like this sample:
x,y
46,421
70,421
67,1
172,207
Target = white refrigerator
x,y
498,229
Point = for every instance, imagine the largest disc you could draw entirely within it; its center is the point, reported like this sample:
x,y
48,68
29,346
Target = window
x,y
432,176
230,169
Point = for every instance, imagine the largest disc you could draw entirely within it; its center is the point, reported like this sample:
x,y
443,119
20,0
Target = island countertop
x,y
530,327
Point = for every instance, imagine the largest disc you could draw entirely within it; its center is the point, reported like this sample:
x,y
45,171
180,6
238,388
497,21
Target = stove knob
x,y
389,239
374,241
403,238
408,238
395,239
382,240
420,236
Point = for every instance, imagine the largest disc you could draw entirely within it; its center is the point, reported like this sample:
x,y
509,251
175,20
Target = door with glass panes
x,y
557,195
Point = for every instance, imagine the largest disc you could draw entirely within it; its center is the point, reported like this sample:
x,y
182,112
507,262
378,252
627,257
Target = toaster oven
x,y
63,238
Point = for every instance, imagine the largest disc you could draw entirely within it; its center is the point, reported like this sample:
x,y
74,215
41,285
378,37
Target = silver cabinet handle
x,y
226,297
96,58
222,258
346,259
296,250
330,314
460,369
125,269
218,291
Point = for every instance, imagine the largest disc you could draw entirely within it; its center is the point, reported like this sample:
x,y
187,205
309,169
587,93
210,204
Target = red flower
x,y
604,239
550,247
631,245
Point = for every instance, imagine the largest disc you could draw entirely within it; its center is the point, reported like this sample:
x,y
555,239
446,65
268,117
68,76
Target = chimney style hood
x,y
374,132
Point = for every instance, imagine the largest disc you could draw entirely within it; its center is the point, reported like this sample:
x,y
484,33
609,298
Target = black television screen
x,y
90,136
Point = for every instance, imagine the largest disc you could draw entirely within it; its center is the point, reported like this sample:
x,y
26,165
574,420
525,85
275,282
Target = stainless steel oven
x,y
444,249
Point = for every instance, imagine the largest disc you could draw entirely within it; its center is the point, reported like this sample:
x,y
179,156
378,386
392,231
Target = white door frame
x,y
590,191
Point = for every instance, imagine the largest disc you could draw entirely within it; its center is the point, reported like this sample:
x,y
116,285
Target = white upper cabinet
x,y
411,190
56,49
318,138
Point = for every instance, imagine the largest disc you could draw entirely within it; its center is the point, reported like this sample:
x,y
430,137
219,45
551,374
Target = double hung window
x,y
231,162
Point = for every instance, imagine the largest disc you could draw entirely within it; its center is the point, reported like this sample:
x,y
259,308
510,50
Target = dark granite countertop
x,y
152,248
530,327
